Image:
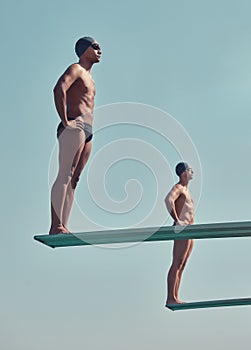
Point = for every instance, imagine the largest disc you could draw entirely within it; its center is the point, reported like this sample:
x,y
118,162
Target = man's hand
x,y
75,124
66,123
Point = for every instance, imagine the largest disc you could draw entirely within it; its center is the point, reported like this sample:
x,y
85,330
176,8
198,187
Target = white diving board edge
x,y
209,304
148,234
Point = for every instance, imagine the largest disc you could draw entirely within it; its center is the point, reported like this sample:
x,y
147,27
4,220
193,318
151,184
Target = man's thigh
x,y
71,146
85,154
189,249
180,249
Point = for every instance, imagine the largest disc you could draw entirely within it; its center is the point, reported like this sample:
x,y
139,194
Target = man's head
x,y
88,46
184,168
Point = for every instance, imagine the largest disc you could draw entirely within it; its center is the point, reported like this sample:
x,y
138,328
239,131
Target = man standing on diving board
x,y
74,100
180,205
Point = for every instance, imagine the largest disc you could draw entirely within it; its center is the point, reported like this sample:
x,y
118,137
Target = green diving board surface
x,y
209,304
148,234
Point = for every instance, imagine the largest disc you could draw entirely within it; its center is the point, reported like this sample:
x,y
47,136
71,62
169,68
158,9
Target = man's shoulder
x,y
74,68
178,186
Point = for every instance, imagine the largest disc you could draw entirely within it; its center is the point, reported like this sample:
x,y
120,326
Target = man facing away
x,y
180,205
74,100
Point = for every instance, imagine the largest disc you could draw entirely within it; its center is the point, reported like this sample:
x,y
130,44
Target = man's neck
x,y
183,182
86,65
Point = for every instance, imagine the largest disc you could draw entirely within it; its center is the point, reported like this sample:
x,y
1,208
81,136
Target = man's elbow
x,y
58,90
169,204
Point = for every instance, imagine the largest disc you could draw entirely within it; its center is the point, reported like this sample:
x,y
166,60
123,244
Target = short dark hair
x,y
181,167
82,44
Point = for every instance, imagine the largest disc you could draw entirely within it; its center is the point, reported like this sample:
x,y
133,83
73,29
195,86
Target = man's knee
x,y
64,178
74,181
178,263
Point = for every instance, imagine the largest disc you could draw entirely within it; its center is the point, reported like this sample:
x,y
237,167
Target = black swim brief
x,y
87,128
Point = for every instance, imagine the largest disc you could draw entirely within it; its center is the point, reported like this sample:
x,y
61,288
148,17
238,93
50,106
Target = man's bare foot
x,y
174,301
67,231
56,229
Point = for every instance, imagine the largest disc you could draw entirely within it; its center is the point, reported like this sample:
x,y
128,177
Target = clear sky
x,y
188,62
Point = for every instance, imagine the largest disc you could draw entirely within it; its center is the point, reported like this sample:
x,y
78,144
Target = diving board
x,y
148,234
209,304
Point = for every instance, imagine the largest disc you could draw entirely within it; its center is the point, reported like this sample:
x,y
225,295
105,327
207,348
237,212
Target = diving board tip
x,y
209,304
148,234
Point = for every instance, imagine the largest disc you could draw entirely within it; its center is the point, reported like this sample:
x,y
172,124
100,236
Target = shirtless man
x,y
74,100
180,205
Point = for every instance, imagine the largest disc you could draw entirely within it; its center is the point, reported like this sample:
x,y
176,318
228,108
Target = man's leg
x,y
189,251
71,144
180,249
74,181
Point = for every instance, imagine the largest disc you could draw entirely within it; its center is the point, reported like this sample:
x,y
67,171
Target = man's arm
x,y
64,82
170,199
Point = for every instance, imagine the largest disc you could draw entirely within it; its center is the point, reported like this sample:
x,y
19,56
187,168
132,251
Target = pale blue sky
x,y
191,59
